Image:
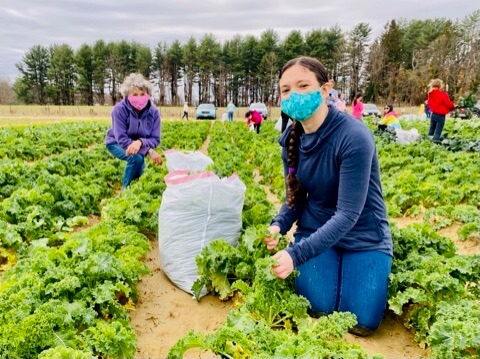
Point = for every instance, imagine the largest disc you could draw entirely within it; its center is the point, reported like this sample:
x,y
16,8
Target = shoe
x,y
360,331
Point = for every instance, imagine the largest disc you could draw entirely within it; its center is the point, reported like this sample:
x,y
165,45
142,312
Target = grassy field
x,y
9,114
29,114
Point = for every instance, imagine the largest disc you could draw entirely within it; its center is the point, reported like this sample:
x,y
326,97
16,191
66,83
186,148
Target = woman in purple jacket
x,y
343,247
135,130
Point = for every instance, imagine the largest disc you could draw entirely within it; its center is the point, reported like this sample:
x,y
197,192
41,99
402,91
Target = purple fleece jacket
x,y
344,207
129,126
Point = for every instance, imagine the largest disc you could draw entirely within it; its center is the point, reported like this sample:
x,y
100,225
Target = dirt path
x,y
468,247
164,313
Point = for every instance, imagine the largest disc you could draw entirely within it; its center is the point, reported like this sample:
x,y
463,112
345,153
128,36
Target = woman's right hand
x,y
133,148
272,241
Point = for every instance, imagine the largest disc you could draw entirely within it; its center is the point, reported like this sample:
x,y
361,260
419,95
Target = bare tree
x,y
7,96
357,50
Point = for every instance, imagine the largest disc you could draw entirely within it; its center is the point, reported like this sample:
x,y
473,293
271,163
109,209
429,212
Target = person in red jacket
x,y
254,117
440,105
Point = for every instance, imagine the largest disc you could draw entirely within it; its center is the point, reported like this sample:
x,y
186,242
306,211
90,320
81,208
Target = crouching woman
x,y
135,130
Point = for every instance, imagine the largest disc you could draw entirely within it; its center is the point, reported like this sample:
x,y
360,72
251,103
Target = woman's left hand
x,y
134,147
284,265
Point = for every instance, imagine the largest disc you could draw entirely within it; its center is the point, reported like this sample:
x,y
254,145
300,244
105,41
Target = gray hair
x,y
135,81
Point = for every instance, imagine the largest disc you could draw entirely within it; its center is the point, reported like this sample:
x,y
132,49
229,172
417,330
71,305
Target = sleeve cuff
x,y
290,251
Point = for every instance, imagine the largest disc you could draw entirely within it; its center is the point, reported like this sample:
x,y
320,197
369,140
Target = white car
x,y
370,109
206,110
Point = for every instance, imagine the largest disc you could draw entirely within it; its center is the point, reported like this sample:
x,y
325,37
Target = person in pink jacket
x,y
357,107
254,117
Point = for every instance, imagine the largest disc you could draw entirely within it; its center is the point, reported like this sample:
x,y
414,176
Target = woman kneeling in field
x,y
343,246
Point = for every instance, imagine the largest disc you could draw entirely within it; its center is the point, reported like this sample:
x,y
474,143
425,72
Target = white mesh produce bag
x,y
196,208
191,160
407,136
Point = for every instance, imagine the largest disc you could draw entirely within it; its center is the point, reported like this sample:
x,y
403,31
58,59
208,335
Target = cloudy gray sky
x,y
25,23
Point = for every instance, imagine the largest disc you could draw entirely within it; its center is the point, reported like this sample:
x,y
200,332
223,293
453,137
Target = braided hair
x,y
294,193
293,184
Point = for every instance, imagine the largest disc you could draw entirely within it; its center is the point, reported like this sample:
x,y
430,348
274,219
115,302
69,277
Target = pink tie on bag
x,y
139,102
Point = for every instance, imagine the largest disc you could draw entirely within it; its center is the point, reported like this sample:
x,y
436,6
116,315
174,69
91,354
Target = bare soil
x,y
468,247
165,313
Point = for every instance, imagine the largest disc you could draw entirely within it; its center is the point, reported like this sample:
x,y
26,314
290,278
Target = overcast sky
x,y
25,23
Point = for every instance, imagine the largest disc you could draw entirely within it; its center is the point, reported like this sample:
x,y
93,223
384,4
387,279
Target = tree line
x,y
395,67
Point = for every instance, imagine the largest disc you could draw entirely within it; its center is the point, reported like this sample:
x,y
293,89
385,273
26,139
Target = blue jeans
x,y
346,281
230,116
135,163
436,126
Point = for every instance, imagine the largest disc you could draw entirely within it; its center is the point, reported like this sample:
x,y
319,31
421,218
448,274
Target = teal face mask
x,y
301,106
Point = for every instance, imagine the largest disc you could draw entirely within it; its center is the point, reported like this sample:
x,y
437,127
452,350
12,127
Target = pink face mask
x,y
139,102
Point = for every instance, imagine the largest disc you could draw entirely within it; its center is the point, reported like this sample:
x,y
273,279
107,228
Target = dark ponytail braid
x,y
293,184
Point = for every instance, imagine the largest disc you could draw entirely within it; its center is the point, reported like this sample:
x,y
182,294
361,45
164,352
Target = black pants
x,y
185,114
436,126
257,127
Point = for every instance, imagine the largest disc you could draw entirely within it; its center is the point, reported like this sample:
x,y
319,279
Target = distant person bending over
x,y
440,105
343,248
357,107
254,117
185,111
231,108
135,130
389,121
341,105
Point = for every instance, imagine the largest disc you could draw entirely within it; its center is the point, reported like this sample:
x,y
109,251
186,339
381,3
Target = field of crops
x,y
72,248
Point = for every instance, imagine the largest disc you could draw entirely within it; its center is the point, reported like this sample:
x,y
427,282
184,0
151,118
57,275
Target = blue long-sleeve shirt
x,y
129,126
344,207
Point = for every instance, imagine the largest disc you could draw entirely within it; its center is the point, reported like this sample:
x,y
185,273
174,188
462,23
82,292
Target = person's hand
x,y
272,241
134,147
156,158
284,265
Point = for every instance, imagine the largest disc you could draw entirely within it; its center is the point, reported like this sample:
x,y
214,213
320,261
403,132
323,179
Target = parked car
x,y
260,107
476,109
370,109
463,113
206,110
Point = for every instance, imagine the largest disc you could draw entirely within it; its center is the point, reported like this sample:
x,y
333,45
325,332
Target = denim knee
x,y
135,160
134,169
364,287
319,282
347,281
